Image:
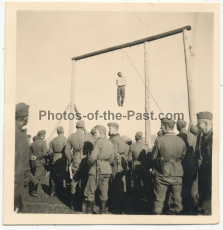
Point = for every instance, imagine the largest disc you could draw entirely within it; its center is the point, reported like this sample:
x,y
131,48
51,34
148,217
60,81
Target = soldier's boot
x,y
84,207
34,190
103,207
52,184
72,201
90,206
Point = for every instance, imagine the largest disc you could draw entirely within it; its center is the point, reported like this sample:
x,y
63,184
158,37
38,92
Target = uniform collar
x,y
170,133
140,141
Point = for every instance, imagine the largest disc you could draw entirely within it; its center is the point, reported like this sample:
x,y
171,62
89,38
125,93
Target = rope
x,y
122,60
142,80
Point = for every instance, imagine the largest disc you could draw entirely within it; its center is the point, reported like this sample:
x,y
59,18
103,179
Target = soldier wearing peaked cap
x,y
59,161
204,151
169,151
39,150
21,156
77,159
119,167
140,172
100,170
190,167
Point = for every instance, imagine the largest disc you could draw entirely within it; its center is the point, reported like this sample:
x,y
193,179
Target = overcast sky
x,y
47,40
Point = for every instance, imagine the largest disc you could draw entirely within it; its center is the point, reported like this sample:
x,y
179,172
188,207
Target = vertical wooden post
x,y
72,94
191,105
147,94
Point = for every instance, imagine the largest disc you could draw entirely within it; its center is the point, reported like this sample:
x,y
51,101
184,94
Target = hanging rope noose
x,y
142,80
122,60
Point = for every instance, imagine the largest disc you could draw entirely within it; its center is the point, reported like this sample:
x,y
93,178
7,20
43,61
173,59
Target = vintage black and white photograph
x,y
114,111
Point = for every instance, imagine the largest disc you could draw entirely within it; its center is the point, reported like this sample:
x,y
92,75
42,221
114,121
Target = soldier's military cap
x,y
35,137
139,134
80,124
60,129
93,131
181,123
101,128
129,141
160,134
194,129
21,110
166,121
41,133
205,115
113,124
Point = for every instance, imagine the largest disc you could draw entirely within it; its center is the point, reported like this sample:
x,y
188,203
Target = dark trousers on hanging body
x,y
121,95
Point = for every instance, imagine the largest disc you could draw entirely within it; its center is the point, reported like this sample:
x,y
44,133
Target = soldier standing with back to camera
x,y
118,168
39,150
169,151
59,161
76,158
100,170
140,172
204,150
190,167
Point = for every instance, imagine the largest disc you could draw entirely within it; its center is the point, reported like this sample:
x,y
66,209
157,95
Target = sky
x,y
47,40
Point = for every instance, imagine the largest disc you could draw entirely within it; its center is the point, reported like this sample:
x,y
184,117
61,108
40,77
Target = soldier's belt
x,y
172,160
103,160
136,162
78,151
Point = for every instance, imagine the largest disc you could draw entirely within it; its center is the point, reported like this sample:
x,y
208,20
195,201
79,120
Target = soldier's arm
x,y
95,152
44,149
111,160
115,144
64,141
51,148
155,150
183,152
68,151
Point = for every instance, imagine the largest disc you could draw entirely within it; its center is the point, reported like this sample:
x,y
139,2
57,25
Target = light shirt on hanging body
x,y
121,81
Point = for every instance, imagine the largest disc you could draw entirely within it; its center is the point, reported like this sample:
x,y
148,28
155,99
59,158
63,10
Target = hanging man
x,y
169,151
121,84
21,156
59,161
39,150
204,150
190,167
119,168
100,170
77,159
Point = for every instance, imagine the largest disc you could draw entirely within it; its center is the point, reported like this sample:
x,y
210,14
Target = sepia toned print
x,y
115,113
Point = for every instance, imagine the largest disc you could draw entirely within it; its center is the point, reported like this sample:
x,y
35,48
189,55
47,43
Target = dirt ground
x,y
44,203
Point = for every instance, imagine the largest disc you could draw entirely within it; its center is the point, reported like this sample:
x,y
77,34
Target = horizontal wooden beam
x,y
138,42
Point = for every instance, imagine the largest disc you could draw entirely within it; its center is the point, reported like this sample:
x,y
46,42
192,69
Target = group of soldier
x,y
176,172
